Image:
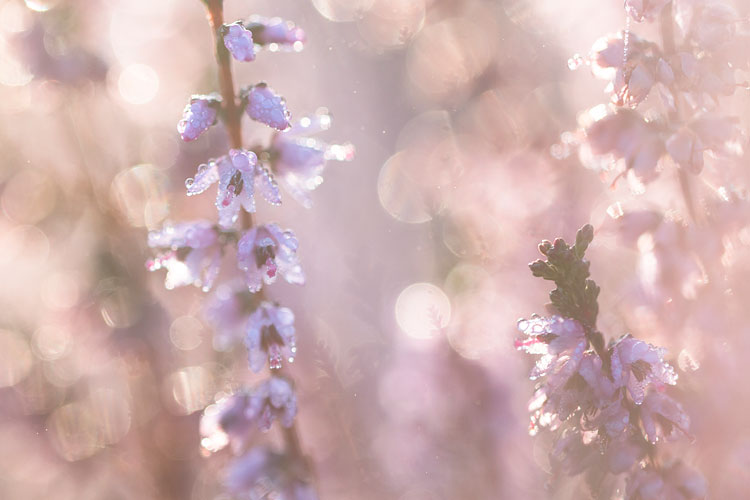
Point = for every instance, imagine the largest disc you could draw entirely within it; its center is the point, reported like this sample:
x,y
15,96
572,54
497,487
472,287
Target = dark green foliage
x,y
576,295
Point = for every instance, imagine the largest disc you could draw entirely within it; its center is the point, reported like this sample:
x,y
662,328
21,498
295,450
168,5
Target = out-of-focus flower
x,y
239,41
190,251
231,420
46,59
227,310
625,135
265,106
638,366
644,9
272,399
276,31
226,422
270,475
299,160
270,336
675,481
266,251
238,175
198,116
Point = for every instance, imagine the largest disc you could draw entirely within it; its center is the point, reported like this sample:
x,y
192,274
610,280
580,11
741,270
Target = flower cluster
x,y
665,109
606,402
193,252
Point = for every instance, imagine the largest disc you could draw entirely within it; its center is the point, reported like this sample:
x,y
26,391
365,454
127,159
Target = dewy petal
x,y
239,42
207,174
265,106
198,116
266,186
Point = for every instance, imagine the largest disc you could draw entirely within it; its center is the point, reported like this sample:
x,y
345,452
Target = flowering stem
x,y
232,112
232,120
666,27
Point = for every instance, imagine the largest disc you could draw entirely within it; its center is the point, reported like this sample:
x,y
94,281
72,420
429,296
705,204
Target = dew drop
x,y
575,62
189,182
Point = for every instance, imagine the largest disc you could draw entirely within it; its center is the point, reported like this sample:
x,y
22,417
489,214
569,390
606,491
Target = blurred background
x,y
416,252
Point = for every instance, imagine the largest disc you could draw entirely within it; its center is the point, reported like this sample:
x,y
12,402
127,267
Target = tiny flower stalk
x,y
238,309
605,405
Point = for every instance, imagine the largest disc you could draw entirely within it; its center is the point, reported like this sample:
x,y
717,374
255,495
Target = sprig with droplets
x,y
193,252
604,405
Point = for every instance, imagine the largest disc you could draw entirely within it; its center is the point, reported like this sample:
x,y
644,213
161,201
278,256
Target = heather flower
x,y
675,481
265,251
198,116
227,310
190,251
625,135
641,10
231,420
262,473
276,31
560,341
239,41
662,416
265,106
226,422
298,160
270,336
638,366
272,399
238,175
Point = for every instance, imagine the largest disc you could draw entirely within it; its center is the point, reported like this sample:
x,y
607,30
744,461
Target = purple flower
x,y
190,251
239,41
227,311
638,366
674,481
238,175
299,160
626,136
662,417
226,422
270,336
265,251
276,32
560,341
198,115
273,399
265,106
232,419
270,475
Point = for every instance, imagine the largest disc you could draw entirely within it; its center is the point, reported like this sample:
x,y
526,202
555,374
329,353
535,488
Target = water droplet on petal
x,y
575,62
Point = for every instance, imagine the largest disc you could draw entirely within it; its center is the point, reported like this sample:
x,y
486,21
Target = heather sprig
x,y
605,405
239,309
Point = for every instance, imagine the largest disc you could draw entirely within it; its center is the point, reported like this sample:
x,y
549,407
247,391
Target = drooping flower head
x,y
265,106
299,160
270,336
189,251
228,310
239,41
198,116
276,33
239,175
264,252
263,473
637,366
232,419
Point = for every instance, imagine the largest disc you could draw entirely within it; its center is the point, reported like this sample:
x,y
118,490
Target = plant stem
x,y
232,112
233,123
